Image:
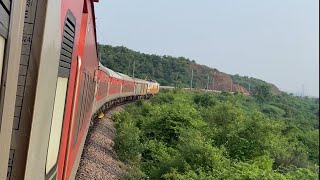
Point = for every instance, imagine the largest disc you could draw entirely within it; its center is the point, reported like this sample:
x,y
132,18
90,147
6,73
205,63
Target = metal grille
x,y
67,48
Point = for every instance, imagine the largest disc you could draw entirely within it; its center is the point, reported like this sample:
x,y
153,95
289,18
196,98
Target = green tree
x,y
263,93
196,135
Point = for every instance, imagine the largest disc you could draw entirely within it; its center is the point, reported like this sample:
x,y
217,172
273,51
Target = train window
x,y
56,126
79,111
61,94
85,102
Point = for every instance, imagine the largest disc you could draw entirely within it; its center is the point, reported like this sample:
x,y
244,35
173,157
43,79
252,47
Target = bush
x,y
273,111
127,140
204,100
186,135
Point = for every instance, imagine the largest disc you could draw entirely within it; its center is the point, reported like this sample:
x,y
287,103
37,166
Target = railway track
x,y
195,89
99,160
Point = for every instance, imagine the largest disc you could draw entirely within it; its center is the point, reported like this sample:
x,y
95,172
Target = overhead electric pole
x,y
208,82
176,80
134,65
191,79
128,70
212,82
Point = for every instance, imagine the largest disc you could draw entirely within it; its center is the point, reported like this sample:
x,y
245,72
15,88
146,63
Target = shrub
x,y
204,99
187,135
127,140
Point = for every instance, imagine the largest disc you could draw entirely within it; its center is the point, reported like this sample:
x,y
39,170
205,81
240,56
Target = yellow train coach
x,y
153,87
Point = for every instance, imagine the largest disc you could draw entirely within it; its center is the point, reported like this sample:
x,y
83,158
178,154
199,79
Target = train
x,y
52,86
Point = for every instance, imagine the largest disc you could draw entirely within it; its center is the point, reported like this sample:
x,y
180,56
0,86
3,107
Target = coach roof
x,y
126,77
110,72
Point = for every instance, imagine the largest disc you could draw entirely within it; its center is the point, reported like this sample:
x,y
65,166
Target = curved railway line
x,y
98,160
194,89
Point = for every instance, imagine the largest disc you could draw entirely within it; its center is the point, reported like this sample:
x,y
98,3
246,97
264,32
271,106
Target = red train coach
x,y
109,87
80,98
103,86
55,89
127,87
115,85
57,86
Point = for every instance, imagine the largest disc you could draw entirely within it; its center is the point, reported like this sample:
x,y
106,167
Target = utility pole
x,y
177,79
134,65
212,82
208,82
191,79
128,70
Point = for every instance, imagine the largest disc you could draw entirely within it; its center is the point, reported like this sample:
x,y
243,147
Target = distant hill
x,y
251,83
175,71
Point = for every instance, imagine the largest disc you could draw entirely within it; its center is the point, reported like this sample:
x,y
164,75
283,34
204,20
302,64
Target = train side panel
x,y
137,87
86,94
153,88
102,86
102,90
144,90
127,85
140,87
71,14
116,82
81,86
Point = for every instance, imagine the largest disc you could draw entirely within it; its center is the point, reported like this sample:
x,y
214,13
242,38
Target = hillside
x,y
175,71
195,135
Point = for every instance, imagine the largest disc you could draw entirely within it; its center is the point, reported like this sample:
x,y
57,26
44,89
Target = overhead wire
x,y
100,35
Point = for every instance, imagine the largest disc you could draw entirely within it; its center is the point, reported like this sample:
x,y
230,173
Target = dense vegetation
x,y
181,135
161,68
171,71
253,84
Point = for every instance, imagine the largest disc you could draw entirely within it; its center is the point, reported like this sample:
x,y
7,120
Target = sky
x,y
273,40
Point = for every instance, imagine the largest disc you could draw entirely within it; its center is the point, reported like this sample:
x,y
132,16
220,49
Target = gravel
x,y
99,160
